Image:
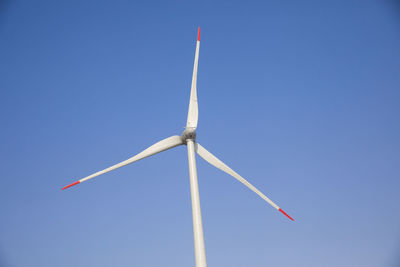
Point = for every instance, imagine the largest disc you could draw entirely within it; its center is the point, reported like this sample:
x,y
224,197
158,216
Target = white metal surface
x,y
163,145
199,247
213,160
193,112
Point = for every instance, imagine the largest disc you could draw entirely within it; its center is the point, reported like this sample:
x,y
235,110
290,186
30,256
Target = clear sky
x,y
302,98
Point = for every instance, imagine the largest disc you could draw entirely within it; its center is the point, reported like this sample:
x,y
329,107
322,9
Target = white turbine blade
x,y
193,113
210,158
163,145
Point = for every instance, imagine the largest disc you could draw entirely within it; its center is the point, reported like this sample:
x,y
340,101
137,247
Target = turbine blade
x,y
163,145
193,113
210,158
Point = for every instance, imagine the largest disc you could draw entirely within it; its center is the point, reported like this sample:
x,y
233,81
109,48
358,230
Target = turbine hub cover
x,y
189,133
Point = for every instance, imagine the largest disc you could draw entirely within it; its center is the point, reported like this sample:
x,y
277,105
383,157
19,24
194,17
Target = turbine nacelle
x,y
188,134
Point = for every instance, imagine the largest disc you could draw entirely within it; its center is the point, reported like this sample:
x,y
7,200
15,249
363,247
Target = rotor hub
x,y
188,134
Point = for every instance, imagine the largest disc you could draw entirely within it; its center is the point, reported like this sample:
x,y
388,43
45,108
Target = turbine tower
x,y
188,138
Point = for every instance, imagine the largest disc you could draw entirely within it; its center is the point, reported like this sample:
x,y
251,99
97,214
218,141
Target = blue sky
x,y
300,97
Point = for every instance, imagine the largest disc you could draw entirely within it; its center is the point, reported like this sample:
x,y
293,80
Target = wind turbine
x,y
188,138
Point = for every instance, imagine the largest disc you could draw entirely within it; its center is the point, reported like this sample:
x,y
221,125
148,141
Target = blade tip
x,y
75,183
287,215
198,35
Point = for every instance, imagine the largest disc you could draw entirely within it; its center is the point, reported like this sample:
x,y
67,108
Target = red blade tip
x,y
198,35
65,187
287,215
